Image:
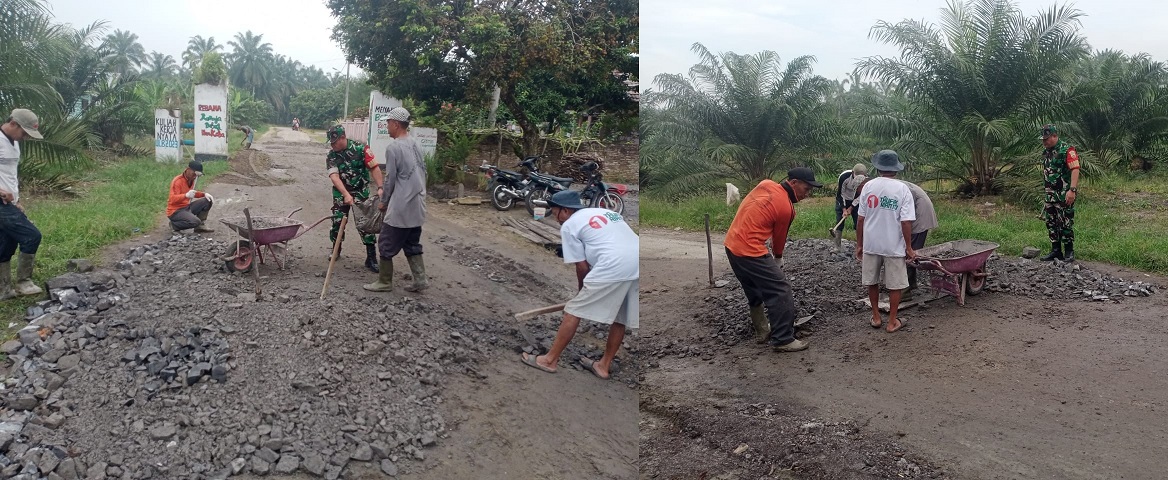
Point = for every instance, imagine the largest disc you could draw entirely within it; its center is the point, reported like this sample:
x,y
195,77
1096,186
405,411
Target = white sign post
x,y
427,139
379,107
210,122
167,136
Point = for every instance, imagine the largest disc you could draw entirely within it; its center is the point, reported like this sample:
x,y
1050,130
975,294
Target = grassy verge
x,y
114,202
1118,220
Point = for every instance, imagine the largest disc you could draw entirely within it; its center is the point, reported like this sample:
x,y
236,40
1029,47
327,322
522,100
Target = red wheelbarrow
x,y
958,267
267,231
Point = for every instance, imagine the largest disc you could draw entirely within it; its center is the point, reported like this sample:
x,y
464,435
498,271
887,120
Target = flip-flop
x,y
873,325
590,364
530,361
903,322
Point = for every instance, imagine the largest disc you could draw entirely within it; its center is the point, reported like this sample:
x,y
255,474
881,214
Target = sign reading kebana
x,y
210,122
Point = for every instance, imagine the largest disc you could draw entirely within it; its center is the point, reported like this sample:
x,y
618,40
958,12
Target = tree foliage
x,y
743,117
439,51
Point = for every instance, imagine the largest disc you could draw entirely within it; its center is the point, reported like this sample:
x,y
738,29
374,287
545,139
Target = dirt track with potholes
x,y
168,367
1027,380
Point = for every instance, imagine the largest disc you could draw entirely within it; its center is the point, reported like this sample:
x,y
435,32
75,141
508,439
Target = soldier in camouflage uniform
x,y
1061,168
350,166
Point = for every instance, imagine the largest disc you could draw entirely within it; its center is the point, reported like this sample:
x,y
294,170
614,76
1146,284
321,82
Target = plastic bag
x,y
367,216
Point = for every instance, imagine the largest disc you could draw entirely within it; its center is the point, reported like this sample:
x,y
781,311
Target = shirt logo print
x,y
597,221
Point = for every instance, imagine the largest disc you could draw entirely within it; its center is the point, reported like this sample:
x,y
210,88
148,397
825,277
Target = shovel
x,y
523,317
835,233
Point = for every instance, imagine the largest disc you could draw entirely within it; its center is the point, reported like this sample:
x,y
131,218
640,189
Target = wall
x,y
210,122
619,162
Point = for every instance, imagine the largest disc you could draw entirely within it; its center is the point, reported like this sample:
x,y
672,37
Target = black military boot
x,y
1056,252
371,258
1069,252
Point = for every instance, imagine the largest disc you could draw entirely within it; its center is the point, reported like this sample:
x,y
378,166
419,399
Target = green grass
x,y
1120,221
113,203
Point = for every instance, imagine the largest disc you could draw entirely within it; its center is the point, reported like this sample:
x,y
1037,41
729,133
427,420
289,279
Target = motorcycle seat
x,y
557,179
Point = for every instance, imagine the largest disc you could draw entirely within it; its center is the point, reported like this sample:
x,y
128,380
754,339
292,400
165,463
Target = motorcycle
x,y
542,186
598,194
504,186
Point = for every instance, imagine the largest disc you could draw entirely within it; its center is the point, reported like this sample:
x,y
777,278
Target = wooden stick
x,y
710,249
333,259
255,249
528,315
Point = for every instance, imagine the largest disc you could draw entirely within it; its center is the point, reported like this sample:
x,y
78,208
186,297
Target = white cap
x,y
400,114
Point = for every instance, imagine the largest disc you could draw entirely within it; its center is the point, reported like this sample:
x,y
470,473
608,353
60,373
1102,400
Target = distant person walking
x,y
1060,167
884,236
766,214
16,230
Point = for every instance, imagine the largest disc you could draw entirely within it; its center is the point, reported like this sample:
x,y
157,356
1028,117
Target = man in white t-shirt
x,y
884,235
607,257
15,228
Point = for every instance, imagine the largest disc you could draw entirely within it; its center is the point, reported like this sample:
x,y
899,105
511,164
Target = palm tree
x,y
124,52
250,61
969,95
1122,108
197,47
744,117
158,66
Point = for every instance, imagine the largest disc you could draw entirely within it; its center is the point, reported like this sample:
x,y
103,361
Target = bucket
x,y
539,212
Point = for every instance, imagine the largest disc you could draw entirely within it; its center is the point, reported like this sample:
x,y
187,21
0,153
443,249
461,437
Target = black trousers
x,y
765,284
188,216
393,240
918,242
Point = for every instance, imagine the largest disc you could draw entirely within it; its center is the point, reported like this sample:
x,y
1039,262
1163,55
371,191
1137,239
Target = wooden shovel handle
x,y
522,316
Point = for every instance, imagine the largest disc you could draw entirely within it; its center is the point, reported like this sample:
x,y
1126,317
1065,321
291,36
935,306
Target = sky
x,y
836,32
298,29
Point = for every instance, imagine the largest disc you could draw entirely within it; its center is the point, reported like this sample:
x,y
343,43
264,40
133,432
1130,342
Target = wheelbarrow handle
x,y
931,261
294,212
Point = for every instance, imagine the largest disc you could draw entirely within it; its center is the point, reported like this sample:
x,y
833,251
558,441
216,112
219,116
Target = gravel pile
x,y
826,285
168,367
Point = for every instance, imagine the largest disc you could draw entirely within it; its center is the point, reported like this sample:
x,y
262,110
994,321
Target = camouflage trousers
x,y
1060,222
340,209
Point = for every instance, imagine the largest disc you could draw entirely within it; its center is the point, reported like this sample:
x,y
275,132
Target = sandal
x,y
529,360
590,364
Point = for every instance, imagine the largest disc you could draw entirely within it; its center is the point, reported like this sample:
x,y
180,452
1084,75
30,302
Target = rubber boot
x,y
762,326
1056,252
1069,252
384,281
418,270
24,285
6,290
371,258
203,228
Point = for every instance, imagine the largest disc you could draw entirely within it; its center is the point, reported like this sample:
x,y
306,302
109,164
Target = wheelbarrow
x,y
267,231
958,267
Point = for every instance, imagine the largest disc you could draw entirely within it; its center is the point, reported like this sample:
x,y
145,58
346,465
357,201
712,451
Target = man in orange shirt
x,y
187,207
766,213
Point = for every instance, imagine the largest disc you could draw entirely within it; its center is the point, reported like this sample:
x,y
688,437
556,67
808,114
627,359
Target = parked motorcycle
x,y
598,194
504,186
543,185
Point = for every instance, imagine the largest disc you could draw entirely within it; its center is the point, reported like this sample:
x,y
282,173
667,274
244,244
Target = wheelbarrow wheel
x,y
975,282
240,257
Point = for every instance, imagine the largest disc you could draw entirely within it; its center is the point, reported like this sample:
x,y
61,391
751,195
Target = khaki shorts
x,y
895,271
607,303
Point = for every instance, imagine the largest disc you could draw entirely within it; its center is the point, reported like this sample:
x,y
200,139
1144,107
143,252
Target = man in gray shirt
x,y
403,200
926,220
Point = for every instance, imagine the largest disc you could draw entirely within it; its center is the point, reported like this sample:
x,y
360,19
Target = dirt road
x,y
1008,386
429,383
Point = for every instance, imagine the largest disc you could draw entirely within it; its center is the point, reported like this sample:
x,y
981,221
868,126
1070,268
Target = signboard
x,y
210,122
167,136
427,139
379,107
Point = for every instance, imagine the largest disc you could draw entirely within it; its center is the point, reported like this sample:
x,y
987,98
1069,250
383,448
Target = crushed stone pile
x,y
826,284
168,367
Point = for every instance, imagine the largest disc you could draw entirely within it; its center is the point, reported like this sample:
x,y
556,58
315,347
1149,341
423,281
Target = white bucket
x,y
539,212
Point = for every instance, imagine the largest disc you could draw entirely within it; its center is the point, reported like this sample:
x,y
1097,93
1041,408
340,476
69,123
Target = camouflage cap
x,y
336,132
1048,130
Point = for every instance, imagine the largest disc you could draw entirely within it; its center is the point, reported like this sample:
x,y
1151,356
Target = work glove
x,y
190,194
209,197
